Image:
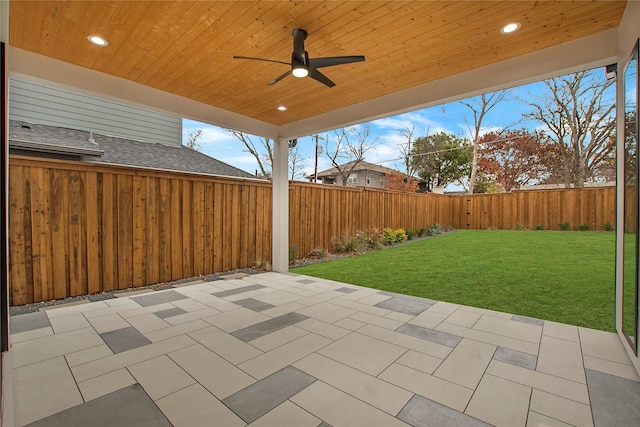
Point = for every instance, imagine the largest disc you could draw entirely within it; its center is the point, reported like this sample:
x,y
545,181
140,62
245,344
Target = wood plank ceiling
x,y
187,47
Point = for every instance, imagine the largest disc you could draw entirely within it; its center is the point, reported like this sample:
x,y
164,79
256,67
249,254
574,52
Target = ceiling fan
x,y
302,65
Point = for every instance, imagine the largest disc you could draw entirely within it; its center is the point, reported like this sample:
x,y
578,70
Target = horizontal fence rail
x,y
78,228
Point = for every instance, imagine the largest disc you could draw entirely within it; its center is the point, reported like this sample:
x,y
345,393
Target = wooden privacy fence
x,y
79,228
320,213
593,206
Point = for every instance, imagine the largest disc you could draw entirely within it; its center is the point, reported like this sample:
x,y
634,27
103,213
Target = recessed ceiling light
x,y
511,27
97,40
282,108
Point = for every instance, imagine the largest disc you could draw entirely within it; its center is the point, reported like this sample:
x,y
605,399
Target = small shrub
x,y
421,231
584,227
608,226
539,227
318,252
520,226
370,239
390,236
410,234
348,243
262,265
564,226
434,230
294,253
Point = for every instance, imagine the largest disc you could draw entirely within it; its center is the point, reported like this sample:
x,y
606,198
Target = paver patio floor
x,y
288,350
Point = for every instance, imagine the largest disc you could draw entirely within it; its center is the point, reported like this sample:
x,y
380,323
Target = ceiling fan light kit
x,y
302,65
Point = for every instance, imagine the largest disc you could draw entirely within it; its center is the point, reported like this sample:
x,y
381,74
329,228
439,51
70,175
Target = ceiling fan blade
x,y
260,59
334,60
317,75
277,79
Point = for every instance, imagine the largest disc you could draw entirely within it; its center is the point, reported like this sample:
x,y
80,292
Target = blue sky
x,y
448,118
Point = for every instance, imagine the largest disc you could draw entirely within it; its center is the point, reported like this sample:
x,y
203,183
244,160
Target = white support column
x,y
280,232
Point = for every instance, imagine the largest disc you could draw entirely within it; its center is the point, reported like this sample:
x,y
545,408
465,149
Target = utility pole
x,y
315,170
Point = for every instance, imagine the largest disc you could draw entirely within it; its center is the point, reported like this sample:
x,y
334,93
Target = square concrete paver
x,y
43,389
364,353
500,402
283,349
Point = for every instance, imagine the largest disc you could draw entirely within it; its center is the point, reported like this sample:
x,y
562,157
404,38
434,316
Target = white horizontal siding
x,y
37,103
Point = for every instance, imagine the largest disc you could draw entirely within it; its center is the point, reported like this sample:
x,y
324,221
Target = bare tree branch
x,y
479,107
351,145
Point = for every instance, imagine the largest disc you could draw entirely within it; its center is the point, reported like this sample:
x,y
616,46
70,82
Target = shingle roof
x,y
119,151
361,166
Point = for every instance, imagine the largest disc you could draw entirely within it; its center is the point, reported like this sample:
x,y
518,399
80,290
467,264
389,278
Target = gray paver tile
x,y
517,358
160,376
615,401
170,312
124,339
128,406
427,334
236,291
28,322
268,326
259,398
158,297
423,412
401,303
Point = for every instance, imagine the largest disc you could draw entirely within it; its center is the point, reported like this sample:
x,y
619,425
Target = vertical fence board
x,y
124,213
92,234
110,275
20,262
176,230
139,231
60,232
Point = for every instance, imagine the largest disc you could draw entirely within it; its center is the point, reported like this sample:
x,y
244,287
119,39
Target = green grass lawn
x,y
566,277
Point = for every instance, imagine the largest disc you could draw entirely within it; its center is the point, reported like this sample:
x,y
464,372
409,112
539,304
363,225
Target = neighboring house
x,y
53,122
70,144
364,174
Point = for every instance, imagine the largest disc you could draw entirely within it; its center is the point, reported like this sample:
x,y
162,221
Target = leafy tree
x,y
400,182
514,158
349,148
486,185
441,158
578,114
